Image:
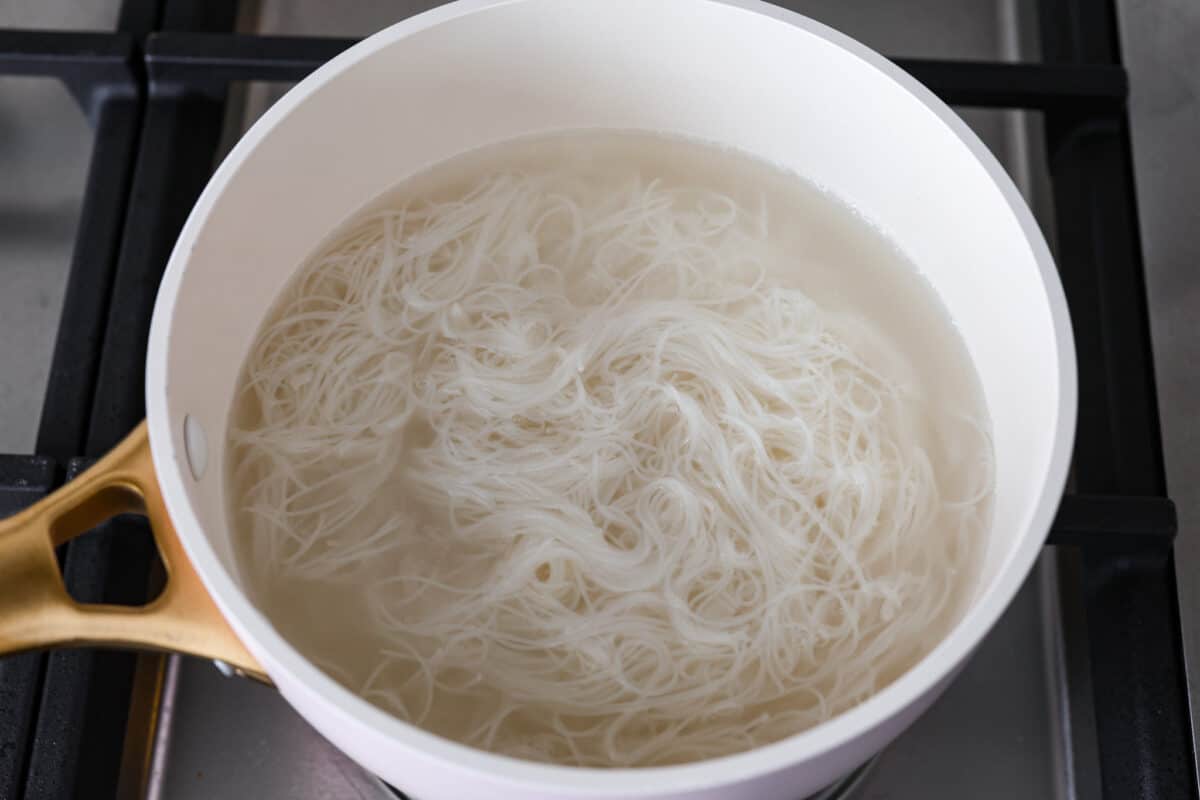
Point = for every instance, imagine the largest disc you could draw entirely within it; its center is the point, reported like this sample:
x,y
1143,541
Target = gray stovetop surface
x,y
1001,730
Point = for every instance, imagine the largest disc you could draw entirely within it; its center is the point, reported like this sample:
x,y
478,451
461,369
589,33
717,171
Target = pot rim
x,y
279,657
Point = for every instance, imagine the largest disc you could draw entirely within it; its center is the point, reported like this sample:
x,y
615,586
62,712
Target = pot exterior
x,y
423,778
735,72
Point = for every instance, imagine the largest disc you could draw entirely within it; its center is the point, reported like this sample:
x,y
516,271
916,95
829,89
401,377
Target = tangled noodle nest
x,y
607,496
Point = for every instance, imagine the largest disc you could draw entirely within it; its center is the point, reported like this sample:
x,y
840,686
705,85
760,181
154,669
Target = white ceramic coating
x,y
737,72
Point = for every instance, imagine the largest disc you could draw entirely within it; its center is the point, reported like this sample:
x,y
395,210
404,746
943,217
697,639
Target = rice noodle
x,y
608,495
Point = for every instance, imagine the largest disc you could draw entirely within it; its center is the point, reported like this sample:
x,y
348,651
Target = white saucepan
x,y
736,72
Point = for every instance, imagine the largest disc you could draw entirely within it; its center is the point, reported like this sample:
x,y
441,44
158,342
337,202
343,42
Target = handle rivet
x,y
195,446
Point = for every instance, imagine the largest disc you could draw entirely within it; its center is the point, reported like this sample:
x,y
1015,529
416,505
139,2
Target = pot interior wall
x,y
706,70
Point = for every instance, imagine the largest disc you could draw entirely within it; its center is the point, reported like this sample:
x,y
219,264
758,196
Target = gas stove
x,y
112,118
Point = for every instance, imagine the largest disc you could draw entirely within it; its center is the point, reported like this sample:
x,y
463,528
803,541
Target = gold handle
x,y
35,609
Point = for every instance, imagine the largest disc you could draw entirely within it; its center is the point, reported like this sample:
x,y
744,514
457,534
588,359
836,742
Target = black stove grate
x,y
78,723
